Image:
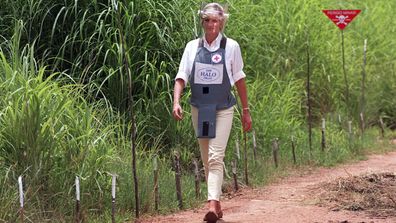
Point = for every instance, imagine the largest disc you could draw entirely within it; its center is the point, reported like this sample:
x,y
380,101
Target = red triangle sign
x,y
341,17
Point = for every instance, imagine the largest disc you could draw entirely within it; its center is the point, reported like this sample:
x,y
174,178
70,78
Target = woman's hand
x,y
177,112
246,120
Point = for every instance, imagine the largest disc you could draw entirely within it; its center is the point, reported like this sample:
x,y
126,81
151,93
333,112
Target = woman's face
x,y
212,25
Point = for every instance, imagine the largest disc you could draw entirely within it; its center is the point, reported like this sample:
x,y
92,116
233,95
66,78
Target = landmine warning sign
x,y
341,17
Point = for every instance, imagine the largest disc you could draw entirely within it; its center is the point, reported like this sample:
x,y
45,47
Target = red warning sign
x,y
341,17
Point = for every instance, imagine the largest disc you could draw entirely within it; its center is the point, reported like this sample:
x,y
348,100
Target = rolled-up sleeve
x,y
237,64
184,67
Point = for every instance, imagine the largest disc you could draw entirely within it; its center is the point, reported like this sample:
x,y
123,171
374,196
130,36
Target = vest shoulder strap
x,y
200,43
223,42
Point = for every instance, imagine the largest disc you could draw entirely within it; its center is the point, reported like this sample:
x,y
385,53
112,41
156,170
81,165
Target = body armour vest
x,y
210,87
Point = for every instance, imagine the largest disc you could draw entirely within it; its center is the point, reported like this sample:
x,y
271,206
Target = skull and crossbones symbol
x,y
341,19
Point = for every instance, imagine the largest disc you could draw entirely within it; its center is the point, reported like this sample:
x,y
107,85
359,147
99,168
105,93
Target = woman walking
x,y
212,65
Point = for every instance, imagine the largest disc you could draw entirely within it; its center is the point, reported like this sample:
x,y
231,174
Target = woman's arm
x,y
242,92
177,111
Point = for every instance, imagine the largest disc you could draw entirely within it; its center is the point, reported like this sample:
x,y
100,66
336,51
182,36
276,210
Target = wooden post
x,y
234,174
126,70
293,150
178,180
275,149
113,197
246,160
363,100
350,132
362,125
345,75
309,104
382,126
78,209
197,179
339,122
156,184
323,134
133,151
21,198
254,146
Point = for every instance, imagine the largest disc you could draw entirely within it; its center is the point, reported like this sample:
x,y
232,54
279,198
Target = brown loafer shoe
x,y
211,217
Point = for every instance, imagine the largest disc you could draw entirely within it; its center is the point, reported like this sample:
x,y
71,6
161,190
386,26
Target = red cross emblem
x,y
216,58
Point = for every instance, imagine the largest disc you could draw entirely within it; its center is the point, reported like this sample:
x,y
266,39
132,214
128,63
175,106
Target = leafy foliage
x,y
66,68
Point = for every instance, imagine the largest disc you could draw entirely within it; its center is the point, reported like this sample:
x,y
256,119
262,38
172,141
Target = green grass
x,y
64,108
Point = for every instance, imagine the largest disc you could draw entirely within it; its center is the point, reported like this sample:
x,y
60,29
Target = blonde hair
x,y
214,9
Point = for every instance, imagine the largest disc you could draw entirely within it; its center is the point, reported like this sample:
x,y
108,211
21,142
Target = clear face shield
x,y
214,10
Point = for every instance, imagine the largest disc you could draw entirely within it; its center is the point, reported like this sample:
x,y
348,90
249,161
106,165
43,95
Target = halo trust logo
x,y
208,74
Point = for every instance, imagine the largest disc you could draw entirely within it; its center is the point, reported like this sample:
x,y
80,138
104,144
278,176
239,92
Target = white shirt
x,y
233,59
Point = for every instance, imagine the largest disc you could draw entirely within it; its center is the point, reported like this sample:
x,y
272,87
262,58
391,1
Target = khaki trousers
x,y
213,150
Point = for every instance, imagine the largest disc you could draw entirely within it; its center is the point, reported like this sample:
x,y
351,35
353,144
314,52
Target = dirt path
x,y
293,199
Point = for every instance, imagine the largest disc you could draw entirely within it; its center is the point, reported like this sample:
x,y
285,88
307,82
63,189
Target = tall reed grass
x,y
64,93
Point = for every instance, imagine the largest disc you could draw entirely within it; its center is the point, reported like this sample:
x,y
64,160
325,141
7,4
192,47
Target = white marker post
x,y
113,196
237,149
323,134
21,196
77,182
156,184
113,186
254,146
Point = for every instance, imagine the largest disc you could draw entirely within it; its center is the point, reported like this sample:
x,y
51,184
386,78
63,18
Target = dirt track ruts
x,y
291,199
